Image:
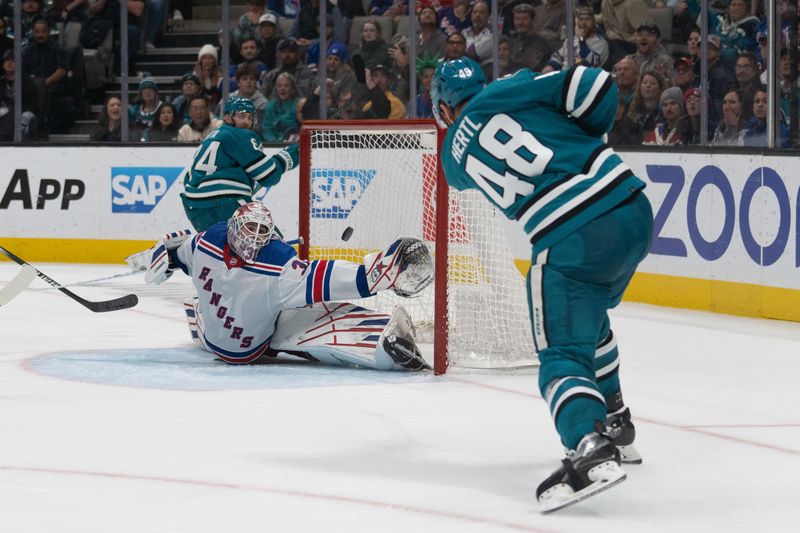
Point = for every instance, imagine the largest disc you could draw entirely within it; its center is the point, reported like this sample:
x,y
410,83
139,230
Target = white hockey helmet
x,y
249,230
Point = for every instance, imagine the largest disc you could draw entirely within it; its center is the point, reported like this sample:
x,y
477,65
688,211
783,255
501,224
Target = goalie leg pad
x,y
398,341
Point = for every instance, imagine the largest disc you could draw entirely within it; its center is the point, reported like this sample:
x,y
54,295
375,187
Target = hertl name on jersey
x,y
464,134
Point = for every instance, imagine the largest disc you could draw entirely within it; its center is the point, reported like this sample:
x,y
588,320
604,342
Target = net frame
x,y
449,326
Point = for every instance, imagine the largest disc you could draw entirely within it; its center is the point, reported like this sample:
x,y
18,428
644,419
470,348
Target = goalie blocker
x,y
256,297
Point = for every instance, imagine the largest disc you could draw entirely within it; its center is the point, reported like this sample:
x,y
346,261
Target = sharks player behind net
x,y
256,297
533,145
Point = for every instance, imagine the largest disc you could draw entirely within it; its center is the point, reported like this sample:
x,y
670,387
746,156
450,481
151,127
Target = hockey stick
x,y
23,278
116,304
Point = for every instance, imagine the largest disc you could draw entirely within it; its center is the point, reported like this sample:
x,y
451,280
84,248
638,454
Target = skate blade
x,y
629,455
609,474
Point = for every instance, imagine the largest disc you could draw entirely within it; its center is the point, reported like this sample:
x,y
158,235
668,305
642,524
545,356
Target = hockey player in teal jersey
x,y
533,145
229,167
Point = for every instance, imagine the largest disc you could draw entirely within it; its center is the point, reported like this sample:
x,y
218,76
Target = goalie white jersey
x,y
239,303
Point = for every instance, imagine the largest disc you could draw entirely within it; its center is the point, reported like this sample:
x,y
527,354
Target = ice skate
x,y
398,341
592,468
622,432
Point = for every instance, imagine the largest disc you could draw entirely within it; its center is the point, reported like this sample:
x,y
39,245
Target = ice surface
x,y
114,422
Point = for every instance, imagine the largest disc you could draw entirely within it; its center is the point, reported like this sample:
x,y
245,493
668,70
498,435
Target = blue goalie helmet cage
x,y
454,82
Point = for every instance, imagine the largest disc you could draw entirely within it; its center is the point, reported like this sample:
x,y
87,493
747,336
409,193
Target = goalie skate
x,y
593,468
398,341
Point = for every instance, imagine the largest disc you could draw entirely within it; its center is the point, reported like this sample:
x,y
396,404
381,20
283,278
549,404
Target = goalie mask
x,y
249,230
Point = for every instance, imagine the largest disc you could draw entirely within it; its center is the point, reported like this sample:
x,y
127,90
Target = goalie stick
x,y
116,304
23,278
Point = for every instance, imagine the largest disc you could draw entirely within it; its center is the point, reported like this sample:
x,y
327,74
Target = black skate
x,y
592,468
398,341
622,432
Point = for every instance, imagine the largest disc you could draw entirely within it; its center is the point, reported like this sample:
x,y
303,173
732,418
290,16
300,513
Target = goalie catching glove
x,y
156,260
406,267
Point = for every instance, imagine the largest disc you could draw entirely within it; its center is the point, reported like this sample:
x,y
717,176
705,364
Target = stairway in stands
x,y
175,55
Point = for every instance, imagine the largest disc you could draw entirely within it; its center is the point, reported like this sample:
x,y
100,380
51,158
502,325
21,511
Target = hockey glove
x,y
161,266
406,267
289,156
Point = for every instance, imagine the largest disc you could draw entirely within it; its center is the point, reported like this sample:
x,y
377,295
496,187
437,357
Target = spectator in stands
x,y
620,20
156,17
248,23
190,86
730,130
47,63
505,65
165,127
109,122
479,36
400,54
625,132
249,52
305,78
627,73
344,80
426,67
650,53
693,46
527,48
431,40
644,108
685,16
373,49
247,77
308,108
736,29
68,11
144,110
31,12
674,127
6,42
280,117
312,53
755,129
202,122
683,73
787,85
377,8
456,47
691,100
720,76
108,10
589,45
747,77
380,80
550,18
352,8
28,120
209,73
455,18
306,26
270,37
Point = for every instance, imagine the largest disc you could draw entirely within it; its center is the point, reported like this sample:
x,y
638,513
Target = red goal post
x,y
383,179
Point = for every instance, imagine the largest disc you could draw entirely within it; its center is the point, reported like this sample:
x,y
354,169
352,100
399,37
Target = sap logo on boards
x,y
19,190
139,189
335,192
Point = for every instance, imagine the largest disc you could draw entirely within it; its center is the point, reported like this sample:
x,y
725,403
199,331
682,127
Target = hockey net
x,y
382,179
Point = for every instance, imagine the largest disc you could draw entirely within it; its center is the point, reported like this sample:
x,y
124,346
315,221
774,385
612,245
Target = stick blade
x,y
117,304
18,284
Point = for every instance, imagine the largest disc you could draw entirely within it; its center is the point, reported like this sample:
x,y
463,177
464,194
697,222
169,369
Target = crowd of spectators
x,y
369,70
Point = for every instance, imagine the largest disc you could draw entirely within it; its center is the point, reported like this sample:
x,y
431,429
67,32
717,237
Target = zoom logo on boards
x,y
334,192
139,189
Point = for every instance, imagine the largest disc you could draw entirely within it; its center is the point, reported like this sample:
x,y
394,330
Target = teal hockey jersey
x,y
230,162
532,144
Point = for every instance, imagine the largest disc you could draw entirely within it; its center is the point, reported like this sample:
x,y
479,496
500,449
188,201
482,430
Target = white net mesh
x,y
382,183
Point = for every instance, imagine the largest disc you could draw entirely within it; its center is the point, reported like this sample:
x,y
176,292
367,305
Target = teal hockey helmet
x,y
455,82
235,104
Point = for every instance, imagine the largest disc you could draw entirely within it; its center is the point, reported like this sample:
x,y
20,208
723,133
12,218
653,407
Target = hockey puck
x,y
347,233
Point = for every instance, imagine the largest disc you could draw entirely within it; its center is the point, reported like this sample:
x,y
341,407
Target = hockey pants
x,y
571,287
